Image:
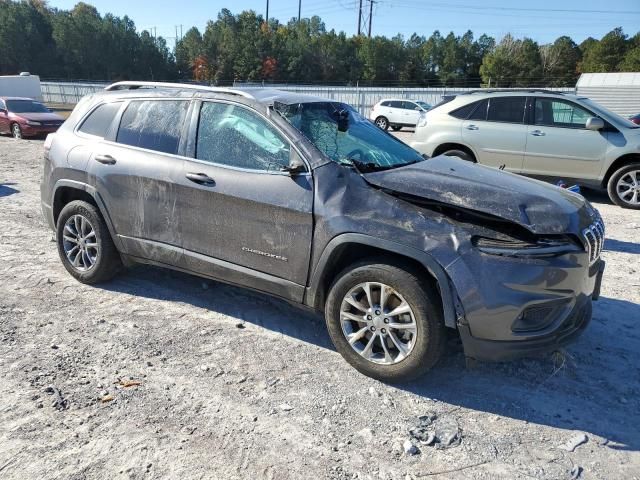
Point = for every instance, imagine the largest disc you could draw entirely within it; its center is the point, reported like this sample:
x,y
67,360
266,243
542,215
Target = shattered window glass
x,y
153,124
346,137
232,135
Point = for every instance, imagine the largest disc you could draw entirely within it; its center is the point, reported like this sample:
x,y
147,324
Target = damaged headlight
x,y
541,247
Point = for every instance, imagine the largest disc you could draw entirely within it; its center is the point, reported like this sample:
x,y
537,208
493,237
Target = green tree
x,y
560,62
607,54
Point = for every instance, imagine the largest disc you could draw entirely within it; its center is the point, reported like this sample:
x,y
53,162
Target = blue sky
x,y
542,20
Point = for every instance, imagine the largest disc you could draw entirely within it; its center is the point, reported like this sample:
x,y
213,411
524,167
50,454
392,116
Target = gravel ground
x,y
159,374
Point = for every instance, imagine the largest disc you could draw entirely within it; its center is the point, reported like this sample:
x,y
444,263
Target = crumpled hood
x,y
539,207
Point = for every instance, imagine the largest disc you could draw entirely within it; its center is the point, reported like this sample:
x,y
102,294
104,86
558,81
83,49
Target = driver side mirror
x,y
594,123
296,164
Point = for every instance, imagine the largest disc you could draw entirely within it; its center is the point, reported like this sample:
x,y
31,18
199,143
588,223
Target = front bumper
x,y
32,131
513,307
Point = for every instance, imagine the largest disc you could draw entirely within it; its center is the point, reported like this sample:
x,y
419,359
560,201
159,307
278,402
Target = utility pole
x,y
180,31
176,36
359,17
299,9
267,16
370,15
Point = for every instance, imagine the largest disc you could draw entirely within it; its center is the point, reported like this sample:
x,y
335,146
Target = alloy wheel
x,y
628,187
80,243
378,323
381,123
16,131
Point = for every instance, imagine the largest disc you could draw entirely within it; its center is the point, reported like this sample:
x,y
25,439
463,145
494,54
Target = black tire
x,y
396,128
423,299
460,154
612,186
16,131
382,122
107,261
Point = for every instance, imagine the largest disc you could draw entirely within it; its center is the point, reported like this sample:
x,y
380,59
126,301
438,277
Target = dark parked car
x,y
304,199
635,119
24,117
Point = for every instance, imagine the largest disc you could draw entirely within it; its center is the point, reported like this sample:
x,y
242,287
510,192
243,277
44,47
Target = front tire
x,y
624,186
386,321
382,122
460,154
85,245
16,131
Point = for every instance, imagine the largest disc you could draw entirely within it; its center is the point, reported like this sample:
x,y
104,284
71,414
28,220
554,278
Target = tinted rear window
x,y
506,109
464,112
99,121
153,124
480,112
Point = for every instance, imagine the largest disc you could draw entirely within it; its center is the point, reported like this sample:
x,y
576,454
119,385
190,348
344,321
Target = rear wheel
x,y
624,186
382,122
460,154
16,131
385,321
85,245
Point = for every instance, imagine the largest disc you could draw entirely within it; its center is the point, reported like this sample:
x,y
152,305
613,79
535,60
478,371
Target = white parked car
x,y
539,133
397,113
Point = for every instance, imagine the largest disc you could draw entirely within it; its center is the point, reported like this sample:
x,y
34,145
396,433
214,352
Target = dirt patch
x,y
149,376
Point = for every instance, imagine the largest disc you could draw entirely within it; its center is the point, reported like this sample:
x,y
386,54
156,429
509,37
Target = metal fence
x,y
362,98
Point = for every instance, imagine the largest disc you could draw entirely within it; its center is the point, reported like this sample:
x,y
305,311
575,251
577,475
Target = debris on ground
x,y
439,432
574,442
59,402
409,448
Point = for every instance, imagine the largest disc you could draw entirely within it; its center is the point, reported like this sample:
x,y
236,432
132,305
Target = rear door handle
x,y
105,159
538,133
472,127
201,178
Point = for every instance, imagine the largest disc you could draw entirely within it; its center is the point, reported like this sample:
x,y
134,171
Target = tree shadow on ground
x,y
593,392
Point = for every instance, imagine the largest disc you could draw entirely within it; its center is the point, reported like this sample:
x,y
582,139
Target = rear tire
x,y
85,245
423,344
382,122
624,186
16,131
460,154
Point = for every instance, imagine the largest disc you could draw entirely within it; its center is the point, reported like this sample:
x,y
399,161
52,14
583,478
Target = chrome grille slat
x,y
594,236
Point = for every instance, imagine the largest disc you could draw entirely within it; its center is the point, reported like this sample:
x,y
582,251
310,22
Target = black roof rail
x,y
128,85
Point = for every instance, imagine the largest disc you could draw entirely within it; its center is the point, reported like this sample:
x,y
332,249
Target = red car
x,y
24,117
635,119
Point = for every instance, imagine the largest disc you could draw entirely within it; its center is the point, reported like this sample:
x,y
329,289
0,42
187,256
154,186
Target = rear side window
x,y
480,112
99,121
506,109
385,104
395,104
232,135
464,111
153,124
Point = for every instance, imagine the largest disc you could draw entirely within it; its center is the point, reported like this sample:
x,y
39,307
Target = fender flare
x,y
446,288
96,197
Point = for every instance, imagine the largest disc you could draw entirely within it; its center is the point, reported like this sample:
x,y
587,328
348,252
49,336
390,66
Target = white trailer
x,y
23,85
619,92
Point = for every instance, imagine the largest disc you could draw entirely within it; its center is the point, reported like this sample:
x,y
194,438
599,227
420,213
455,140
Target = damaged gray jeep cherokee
x,y
302,198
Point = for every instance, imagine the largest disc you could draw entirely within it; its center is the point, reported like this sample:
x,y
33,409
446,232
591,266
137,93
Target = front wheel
x,y
385,321
16,131
624,186
460,154
85,245
382,123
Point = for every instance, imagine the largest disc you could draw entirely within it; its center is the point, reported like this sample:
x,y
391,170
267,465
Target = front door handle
x,y
538,133
472,127
201,178
105,159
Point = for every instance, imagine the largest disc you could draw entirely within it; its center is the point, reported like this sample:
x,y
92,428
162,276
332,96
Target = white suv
x,y
538,133
397,113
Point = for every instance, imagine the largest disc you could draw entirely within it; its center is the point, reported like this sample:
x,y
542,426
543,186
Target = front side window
x,y
345,137
560,113
99,121
233,135
153,124
506,109
396,104
410,106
